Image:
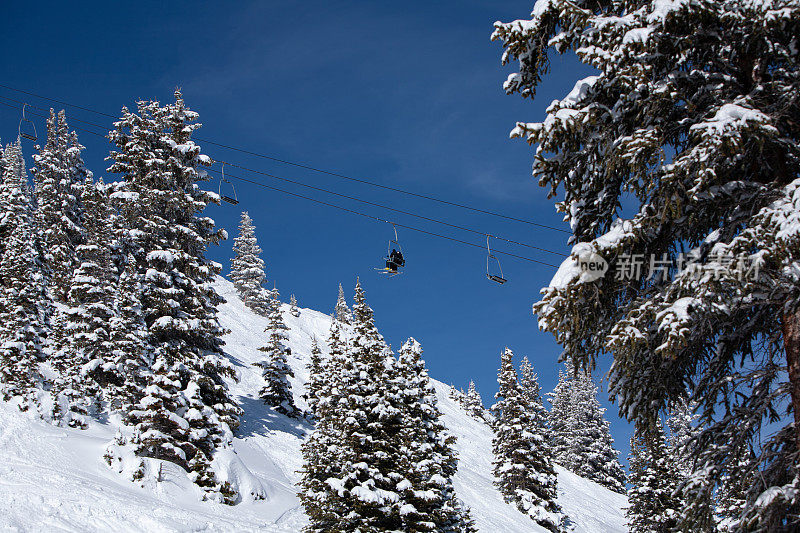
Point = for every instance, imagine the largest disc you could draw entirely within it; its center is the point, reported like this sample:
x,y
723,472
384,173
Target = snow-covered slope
x,y
54,479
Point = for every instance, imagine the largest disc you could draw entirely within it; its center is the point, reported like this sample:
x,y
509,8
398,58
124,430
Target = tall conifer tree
x,y
187,412
427,498
82,333
341,311
276,392
60,178
653,508
523,467
247,268
24,303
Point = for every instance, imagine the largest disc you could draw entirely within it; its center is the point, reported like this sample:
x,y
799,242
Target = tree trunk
x,y
791,343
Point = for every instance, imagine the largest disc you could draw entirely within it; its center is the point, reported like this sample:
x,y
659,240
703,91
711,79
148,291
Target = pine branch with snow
x,y
690,123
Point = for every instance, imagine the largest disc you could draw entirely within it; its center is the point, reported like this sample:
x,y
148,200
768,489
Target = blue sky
x,y
404,94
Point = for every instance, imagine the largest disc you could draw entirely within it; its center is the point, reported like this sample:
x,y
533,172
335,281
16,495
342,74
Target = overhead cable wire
x,y
354,198
383,206
342,208
312,168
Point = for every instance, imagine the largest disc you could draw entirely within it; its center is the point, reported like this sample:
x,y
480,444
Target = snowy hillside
x,y
54,479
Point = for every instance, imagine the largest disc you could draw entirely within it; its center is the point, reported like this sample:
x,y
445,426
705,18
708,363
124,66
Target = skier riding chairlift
x,y
395,261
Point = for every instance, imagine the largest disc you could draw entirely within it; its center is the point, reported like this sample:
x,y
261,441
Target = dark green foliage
x,y
690,123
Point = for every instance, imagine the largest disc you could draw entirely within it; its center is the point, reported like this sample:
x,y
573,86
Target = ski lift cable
x,y
346,209
309,167
366,202
379,219
384,206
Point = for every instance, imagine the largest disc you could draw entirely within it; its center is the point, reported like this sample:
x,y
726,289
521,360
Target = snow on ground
x,y
54,479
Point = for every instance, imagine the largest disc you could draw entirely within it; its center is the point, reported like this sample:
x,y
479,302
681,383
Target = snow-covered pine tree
x,y
652,506
592,454
523,466
293,306
529,381
322,451
14,200
276,392
427,498
360,440
60,177
341,311
247,268
731,497
561,416
690,122
473,404
316,376
579,434
84,352
187,412
531,398
695,492
130,350
24,302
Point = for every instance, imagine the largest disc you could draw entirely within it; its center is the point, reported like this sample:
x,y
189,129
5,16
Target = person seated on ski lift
x,y
395,260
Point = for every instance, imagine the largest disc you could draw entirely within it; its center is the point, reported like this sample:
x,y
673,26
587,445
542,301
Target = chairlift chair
x,y
393,263
492,261
233,200
26,129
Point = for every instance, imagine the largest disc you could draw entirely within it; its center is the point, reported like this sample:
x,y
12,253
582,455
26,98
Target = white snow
x,y
732,116
55,478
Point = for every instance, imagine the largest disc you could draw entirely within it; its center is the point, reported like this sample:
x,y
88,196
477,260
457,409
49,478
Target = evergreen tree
x,y
531,400
60,178
341,311
293,306
561,417
277,392
353,461
130,350
24,305
427,498
15,203
652,506
83,336
593,455
523,466
731,497
247,268
473,404
529,381
316,376
322,451
690,122
579,433
695,492
187,412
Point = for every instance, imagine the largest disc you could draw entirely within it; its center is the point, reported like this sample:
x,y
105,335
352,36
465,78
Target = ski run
x,y
54,478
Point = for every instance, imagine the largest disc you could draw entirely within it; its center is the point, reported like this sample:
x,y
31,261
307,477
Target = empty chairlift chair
x,y
233,200
494,272
26,129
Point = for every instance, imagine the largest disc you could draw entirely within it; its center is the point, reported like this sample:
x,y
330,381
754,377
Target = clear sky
x,y
405,94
